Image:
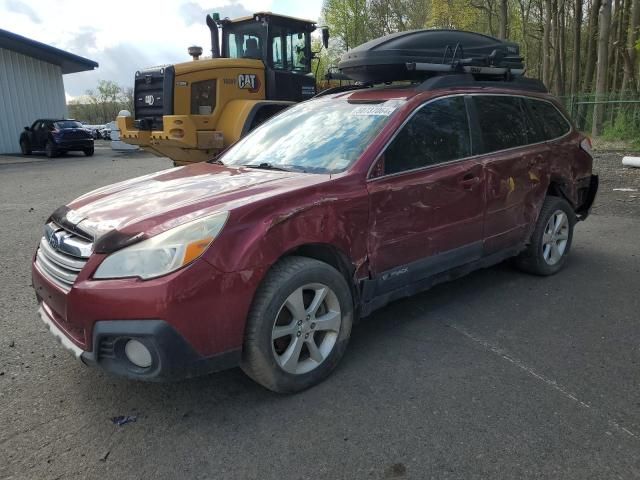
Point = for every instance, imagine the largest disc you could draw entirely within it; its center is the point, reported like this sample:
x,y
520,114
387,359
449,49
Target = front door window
x,y
427,197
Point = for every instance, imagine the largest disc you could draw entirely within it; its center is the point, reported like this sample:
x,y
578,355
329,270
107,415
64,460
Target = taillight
x,y
585,145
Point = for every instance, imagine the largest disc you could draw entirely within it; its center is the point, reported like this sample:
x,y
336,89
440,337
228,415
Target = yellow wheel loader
x,y
191,111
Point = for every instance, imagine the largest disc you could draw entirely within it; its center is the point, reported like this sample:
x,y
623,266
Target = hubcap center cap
x,y
306,326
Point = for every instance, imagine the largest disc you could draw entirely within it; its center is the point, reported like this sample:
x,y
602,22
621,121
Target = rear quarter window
x,y
502,121
551,122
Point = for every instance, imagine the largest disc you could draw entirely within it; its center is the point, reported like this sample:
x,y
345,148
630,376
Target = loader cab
x,y
284,46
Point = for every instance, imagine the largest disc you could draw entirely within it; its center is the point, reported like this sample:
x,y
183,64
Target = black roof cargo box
x,y
420,54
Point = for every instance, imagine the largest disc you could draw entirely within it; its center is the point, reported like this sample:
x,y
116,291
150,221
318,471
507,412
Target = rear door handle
x,y
538,159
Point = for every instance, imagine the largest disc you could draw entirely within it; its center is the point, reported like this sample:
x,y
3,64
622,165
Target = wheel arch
x,y
331,255
559,187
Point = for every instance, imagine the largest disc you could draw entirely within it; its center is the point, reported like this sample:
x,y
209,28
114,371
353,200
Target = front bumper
x,y
70,145
192,321
172,356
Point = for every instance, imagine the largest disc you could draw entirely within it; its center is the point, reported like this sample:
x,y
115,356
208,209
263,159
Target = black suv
x,y
55,137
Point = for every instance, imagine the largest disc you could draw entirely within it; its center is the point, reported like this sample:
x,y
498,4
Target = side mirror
x,y
28,129
325,37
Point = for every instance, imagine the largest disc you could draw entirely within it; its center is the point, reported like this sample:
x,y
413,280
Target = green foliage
x,y
101,105
348,20
626,126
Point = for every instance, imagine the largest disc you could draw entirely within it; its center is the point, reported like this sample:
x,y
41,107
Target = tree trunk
x,y
546,41
613,50
591,45
575,67
628,79
603,67
504,18
524,20
562,49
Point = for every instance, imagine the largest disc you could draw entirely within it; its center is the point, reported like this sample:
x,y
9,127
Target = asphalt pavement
x,y
496,375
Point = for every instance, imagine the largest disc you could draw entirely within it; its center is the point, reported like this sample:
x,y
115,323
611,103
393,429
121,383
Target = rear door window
x,y
437,133
502,122
551,121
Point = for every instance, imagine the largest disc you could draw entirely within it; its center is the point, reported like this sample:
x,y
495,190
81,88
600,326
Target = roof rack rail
x,y
450,80
454,80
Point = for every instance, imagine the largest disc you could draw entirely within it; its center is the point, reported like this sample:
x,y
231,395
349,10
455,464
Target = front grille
x,y
153,96
62,255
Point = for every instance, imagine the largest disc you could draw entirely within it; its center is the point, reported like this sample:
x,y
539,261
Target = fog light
x,y
138,354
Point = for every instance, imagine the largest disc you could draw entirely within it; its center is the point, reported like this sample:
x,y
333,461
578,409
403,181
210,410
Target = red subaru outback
x,y
265,257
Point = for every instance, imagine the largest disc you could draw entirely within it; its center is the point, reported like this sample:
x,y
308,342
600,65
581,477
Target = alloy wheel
x,y
555,237
306,328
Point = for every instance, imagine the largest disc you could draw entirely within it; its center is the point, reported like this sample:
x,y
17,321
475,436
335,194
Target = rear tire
x,y
24,147
88,151
298,326
551,240
50,149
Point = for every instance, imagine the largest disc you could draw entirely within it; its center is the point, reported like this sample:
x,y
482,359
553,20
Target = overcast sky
x,y
124,36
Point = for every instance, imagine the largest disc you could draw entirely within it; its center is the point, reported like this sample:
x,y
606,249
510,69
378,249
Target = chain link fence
x,y
621,114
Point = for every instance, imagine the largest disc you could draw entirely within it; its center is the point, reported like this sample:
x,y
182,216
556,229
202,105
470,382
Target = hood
x,y
145,206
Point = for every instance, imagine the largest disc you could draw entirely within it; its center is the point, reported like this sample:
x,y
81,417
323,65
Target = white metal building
x,y
31,84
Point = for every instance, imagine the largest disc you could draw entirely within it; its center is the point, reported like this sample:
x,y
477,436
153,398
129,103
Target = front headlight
x,y
163,253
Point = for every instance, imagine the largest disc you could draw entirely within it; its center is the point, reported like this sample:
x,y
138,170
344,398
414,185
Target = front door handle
x,y
469,180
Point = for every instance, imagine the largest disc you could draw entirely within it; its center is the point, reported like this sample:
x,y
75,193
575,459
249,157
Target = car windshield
x,y
320,136
68,124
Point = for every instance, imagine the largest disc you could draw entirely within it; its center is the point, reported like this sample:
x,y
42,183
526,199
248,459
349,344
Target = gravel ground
x,y
496,375
619,192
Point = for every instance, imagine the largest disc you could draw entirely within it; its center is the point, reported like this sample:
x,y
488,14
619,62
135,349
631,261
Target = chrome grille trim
x,y
59,273
66,261
61,256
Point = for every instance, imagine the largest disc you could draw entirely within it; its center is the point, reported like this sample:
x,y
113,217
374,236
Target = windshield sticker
x,y
379,110
383,109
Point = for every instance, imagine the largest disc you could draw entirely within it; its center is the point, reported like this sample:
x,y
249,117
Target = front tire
x,y
88,152
551,240
298,326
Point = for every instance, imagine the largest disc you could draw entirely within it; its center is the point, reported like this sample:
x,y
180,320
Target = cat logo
x,y
248,81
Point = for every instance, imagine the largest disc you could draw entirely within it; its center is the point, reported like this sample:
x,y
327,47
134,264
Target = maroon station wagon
x,y
266,256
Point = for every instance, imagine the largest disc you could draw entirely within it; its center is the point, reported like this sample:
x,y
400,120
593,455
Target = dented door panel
x,y
423,213
515,180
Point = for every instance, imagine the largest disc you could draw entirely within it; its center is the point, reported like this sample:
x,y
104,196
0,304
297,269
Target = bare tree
x,y
591,45
504,19
546,43
602,71
630,55
577,30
